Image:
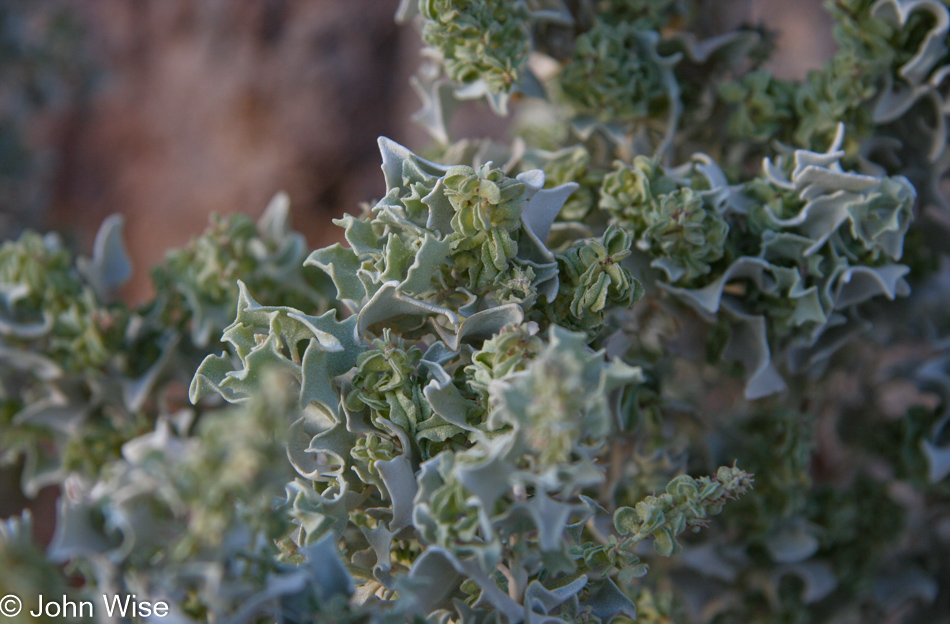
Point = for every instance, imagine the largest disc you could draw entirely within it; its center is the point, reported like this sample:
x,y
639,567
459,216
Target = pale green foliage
x,y
506,401
572,164
487,207
427,447
388,383
787,266
630,192
197,513
686,504
198,284
43,297
671,222
72,354
686,231
618,75
245,452
796,246
559,404
763,105
507,352
456,237
595,279
35,273
25,572
486,40
61,343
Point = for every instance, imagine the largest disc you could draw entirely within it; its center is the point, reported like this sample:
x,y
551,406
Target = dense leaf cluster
x,y
490,410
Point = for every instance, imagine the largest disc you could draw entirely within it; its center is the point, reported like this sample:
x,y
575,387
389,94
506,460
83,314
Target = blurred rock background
x,y
182,108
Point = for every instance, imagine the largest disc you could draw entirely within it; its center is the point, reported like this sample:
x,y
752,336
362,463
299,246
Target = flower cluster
x,y
198,284
485,40
686,503
680,227
617,74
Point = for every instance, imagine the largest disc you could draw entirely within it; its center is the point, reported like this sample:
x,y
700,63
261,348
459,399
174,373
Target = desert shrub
x,y
676,353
